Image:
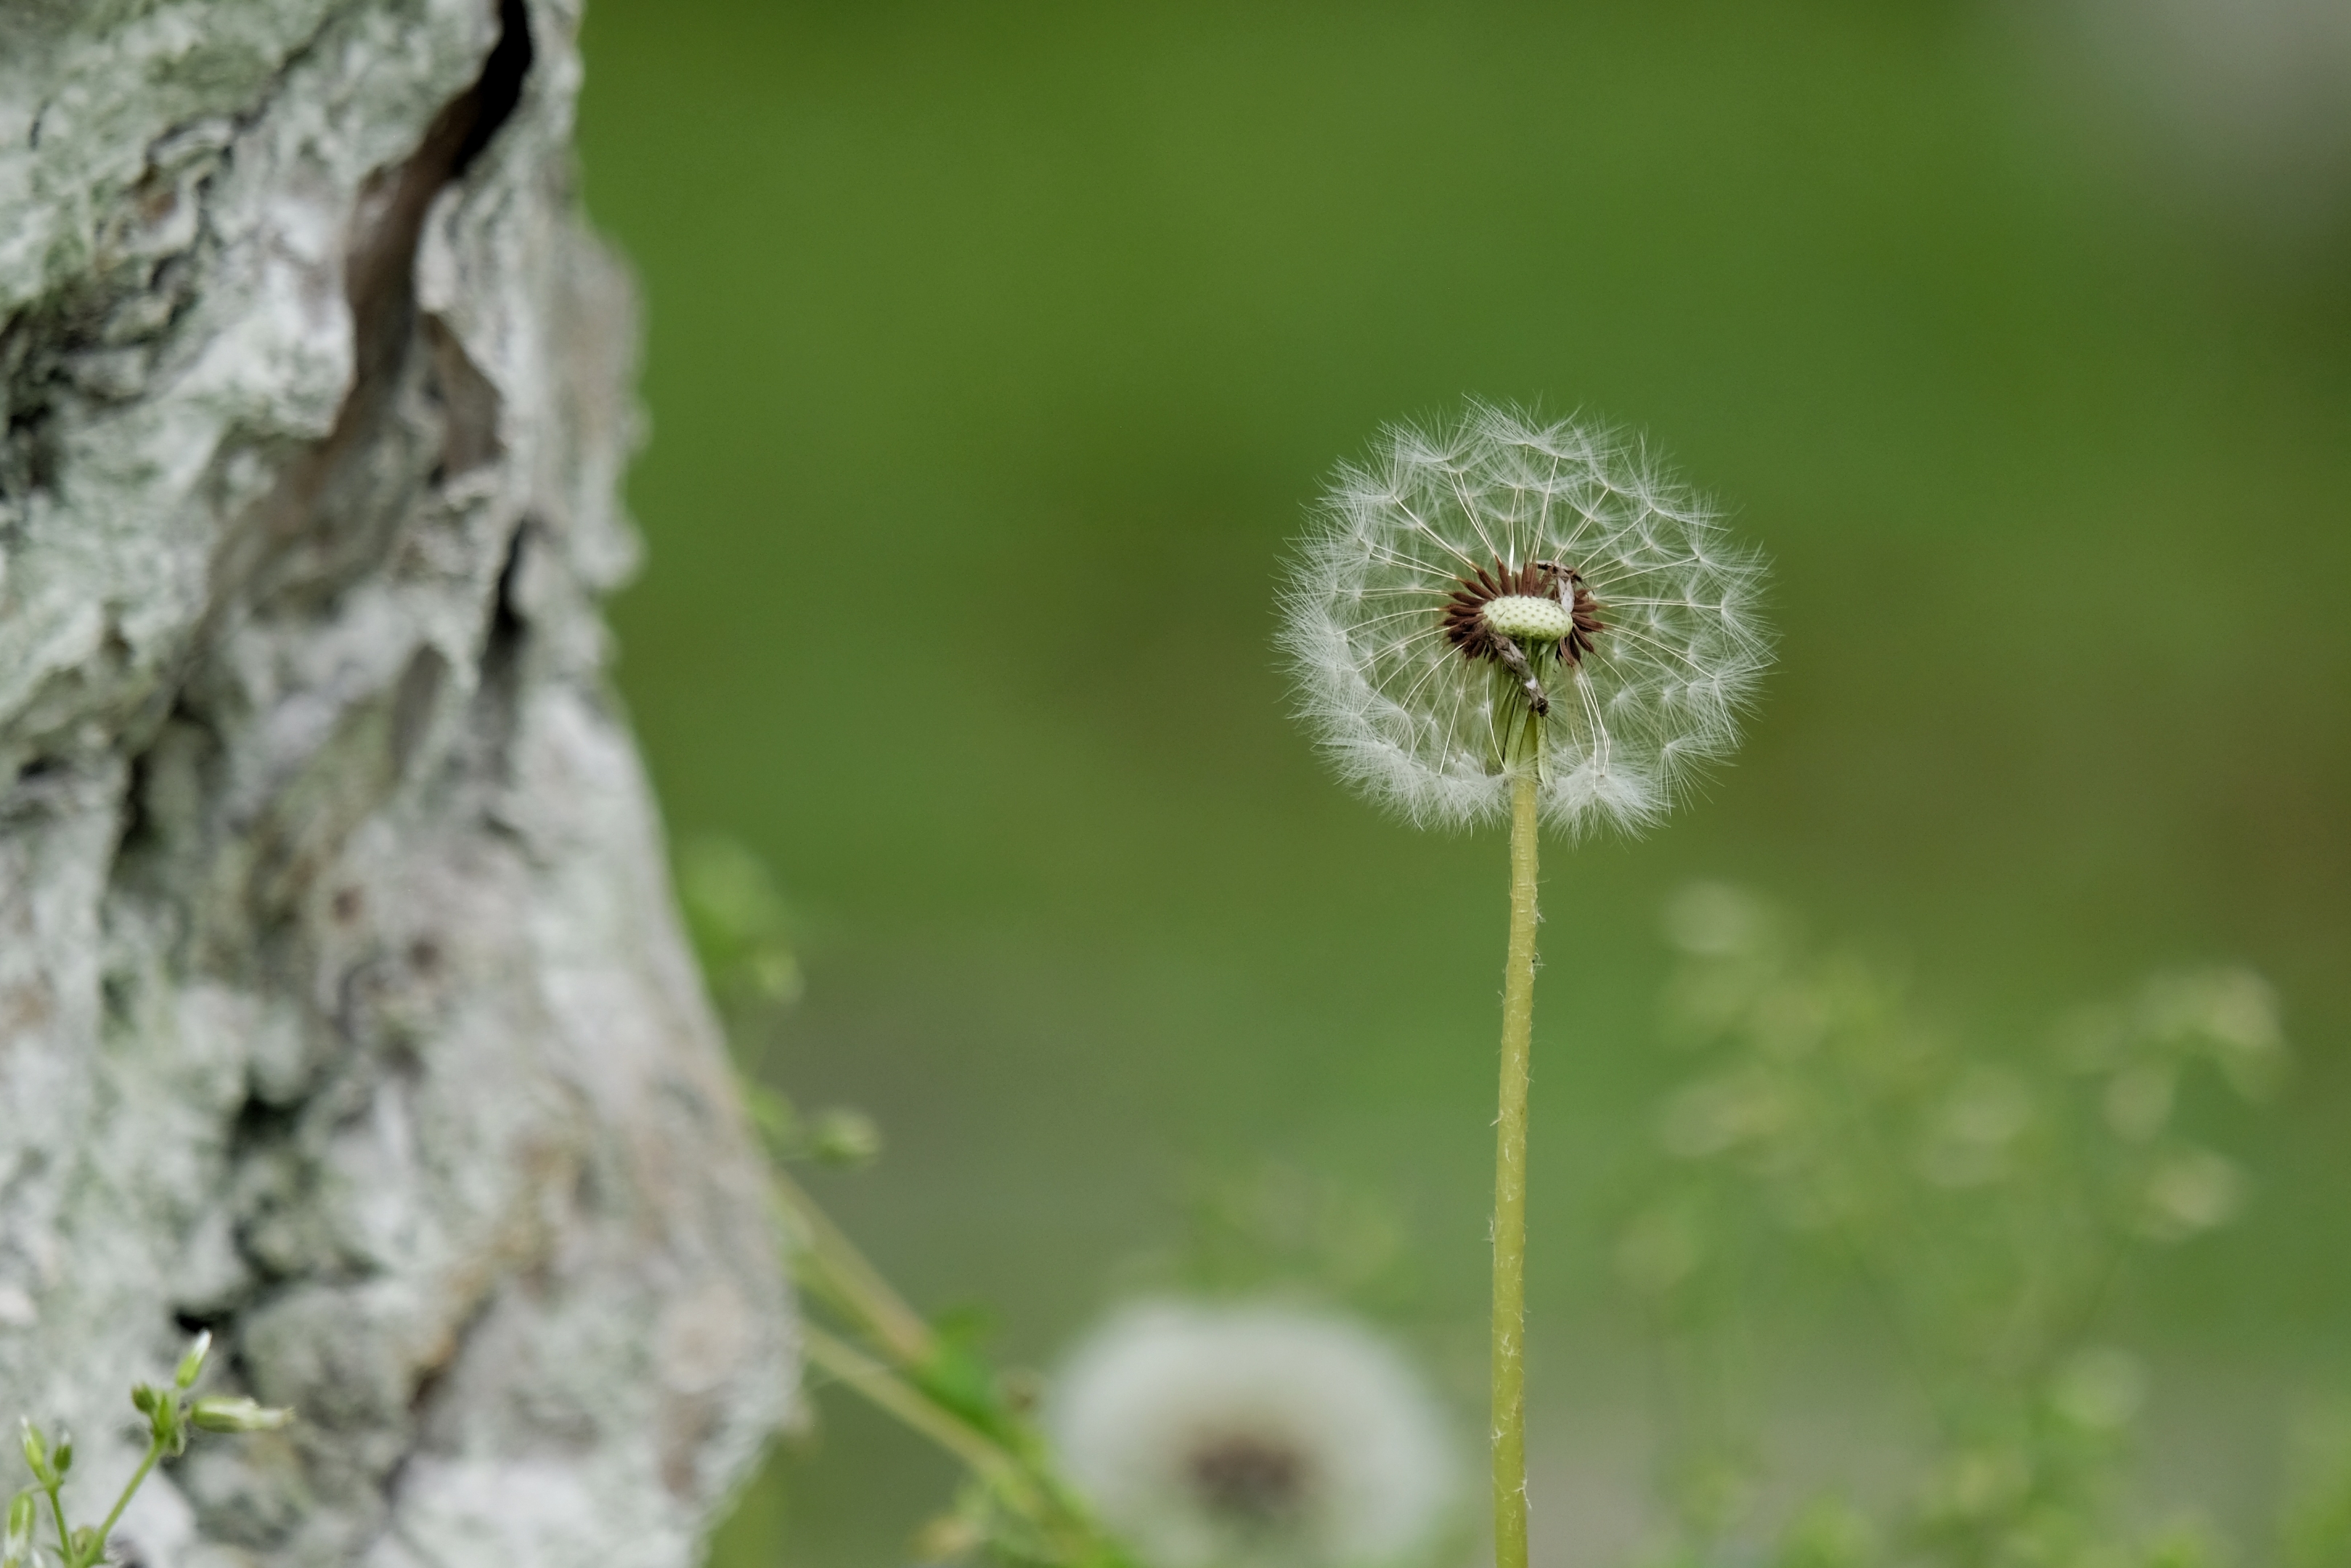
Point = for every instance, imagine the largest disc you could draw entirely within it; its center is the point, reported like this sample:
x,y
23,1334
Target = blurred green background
x,y
994,352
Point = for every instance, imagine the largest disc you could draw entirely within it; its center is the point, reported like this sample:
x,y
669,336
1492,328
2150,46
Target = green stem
x,y
1510,1370
65,1539
886,1390
1034,1494
1010,1464
138,1476
852,1282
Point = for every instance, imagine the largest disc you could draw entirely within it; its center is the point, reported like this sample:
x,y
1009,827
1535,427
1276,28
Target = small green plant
x,y
1017,1509
1984,1201
171,1413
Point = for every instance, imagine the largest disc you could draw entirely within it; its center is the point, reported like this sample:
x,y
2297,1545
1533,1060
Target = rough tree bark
x,y
342,1005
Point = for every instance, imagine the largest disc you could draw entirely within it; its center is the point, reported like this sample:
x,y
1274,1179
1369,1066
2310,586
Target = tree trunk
x,y
342,1005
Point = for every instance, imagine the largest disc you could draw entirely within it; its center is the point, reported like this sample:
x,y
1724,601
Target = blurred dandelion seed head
x,y
1472,577
1218,1437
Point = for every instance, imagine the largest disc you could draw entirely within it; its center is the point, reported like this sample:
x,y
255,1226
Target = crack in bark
x,y
316,526
380,948
353,773
381,275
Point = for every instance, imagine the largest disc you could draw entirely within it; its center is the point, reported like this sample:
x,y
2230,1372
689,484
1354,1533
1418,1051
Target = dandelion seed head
x,y
1469,574
1240,1436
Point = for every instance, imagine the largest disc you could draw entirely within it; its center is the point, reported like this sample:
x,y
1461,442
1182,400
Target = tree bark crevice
x,y
343,1009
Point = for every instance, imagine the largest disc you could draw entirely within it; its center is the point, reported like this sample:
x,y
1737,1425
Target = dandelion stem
x,y
1510,1369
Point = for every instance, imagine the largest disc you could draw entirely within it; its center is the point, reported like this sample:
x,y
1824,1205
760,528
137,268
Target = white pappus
x,y
1500,592
1253,1437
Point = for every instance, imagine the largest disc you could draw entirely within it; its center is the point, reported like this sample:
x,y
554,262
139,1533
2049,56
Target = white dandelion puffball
x,y
1501,594
1224,1437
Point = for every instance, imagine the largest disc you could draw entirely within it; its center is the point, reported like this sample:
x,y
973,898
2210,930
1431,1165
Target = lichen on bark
x,y
342,1005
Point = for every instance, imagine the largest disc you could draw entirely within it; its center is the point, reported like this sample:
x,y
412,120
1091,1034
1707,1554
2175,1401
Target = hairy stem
x,y
1510,1369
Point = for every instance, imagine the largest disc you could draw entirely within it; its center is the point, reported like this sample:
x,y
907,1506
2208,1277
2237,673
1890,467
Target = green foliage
x,y
741,931
741,927
2316,1530
171,1417
1982,1199
1268,1226
933,1375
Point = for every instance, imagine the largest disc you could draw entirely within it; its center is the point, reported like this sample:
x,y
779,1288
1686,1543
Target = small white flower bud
x,y
192,1364
223,1413
845,1138
17,1546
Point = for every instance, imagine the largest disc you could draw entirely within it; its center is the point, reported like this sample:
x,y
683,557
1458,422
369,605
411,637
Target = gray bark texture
x,y
343,1007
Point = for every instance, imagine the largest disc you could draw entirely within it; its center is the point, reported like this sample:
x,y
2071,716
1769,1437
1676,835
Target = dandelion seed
x,y
1219,1438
